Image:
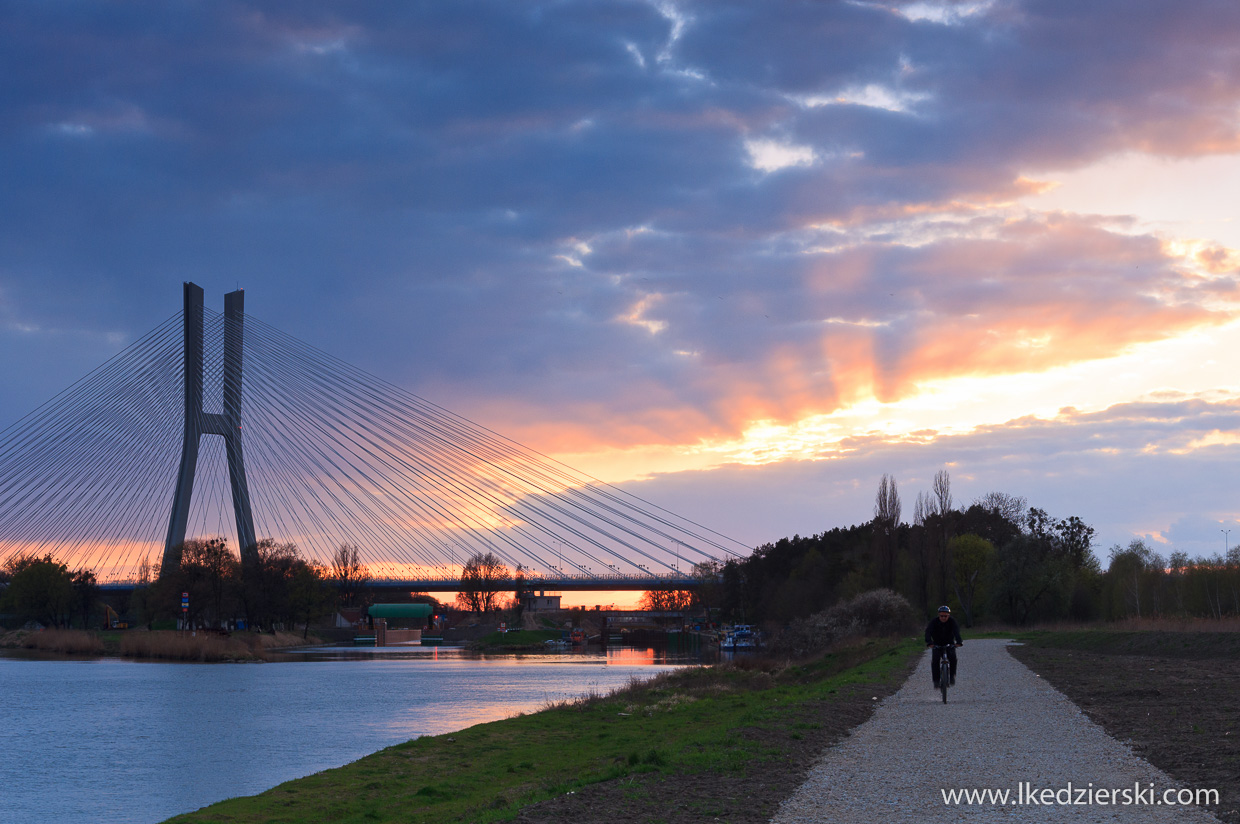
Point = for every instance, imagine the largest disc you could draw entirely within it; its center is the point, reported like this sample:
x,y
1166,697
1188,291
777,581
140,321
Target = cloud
x,y
770,155
1122,470
785,213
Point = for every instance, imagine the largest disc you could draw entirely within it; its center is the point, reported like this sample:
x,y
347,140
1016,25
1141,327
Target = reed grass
x,y
64,641
185,646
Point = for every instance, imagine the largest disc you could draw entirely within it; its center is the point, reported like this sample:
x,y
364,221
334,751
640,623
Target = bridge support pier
x,y
199,423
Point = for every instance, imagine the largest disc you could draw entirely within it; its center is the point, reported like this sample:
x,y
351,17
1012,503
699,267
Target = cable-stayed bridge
x,y
221,425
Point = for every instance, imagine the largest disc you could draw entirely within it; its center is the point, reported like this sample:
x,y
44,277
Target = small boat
x,y
740,637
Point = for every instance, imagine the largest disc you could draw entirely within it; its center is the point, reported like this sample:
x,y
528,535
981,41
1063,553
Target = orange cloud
x,y
879,319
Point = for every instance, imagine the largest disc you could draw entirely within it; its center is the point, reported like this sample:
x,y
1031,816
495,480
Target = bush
x,y
877,612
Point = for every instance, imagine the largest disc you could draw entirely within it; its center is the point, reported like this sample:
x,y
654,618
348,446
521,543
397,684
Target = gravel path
x,y
1002,726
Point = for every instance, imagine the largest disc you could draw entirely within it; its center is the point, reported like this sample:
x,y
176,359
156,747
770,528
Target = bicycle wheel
x,y
945,675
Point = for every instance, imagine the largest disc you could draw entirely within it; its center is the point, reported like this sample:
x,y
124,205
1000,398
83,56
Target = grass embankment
x,y
725,722
523,639
162,645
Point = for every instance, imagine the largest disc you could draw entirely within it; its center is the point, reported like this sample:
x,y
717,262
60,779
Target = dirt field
x,y
1177,704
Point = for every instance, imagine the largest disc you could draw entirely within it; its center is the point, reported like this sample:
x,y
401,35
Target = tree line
x,y
994,559
272,586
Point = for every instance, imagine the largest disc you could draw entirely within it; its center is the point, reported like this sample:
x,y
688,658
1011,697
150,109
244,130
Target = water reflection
x,y
122,741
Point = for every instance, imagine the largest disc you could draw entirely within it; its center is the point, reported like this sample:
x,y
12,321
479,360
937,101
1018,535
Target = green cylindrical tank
x,y
421,611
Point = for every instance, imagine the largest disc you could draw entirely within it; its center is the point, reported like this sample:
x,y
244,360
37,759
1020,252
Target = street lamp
x,y
1226,543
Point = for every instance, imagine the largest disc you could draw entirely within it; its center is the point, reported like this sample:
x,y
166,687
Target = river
x,y
109,740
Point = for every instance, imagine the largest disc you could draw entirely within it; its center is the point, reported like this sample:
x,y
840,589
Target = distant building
x,y
351,617
542,603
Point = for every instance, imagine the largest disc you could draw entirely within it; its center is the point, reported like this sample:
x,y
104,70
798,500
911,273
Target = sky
x,y
740,258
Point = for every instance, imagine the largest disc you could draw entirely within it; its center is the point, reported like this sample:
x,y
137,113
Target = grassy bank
x,y
725,723
524,639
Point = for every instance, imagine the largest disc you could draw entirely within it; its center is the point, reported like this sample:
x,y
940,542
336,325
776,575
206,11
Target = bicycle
x,y
945,668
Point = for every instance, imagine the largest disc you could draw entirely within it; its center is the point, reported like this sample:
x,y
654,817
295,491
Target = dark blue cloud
x,y
397,183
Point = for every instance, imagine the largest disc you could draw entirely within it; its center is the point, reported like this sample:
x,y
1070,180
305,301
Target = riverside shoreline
x,y
711,732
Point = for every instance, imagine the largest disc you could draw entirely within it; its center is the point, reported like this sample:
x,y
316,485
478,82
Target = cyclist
x,y
942,631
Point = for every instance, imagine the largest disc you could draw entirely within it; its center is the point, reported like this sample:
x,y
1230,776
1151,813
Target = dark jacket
x,y
940,632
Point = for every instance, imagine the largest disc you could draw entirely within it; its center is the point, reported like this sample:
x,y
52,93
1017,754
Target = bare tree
x,y
941,503
1010,507
921,546
671,600
942,492
482,579
348,574
886,521
887,502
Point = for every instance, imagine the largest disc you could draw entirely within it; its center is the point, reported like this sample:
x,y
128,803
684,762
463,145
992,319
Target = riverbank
x,y
163,645
727,742
523,640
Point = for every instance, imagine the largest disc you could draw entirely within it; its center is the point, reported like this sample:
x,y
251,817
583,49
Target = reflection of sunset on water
x,y
626,655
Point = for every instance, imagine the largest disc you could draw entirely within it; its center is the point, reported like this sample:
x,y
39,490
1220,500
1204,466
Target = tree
x,y
886,520
1047,571
1009,507
208,572
1027,576
85,593
942,492
666,600
309,596
971,557
266,575
40,589
708,594
1128,577
941,503
348,574
211,573
482,579
919,539
989,518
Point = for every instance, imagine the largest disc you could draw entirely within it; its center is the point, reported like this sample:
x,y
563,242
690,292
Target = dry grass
x,y
13,638
283,639
183,646
64,641
207,646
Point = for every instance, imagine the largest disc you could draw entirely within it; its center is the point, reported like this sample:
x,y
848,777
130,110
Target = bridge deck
x,y
606,583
